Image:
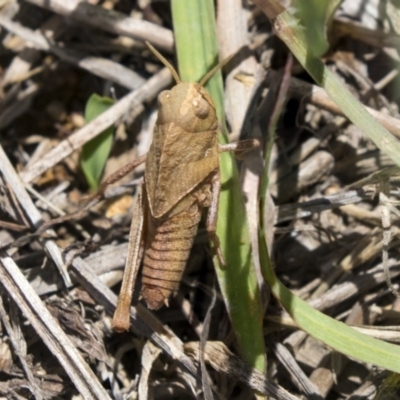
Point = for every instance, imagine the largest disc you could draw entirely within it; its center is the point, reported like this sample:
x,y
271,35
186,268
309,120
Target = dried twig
x,y
145,93
386,207
18,342
355,286
114,22
222,360
233,39
291,211
49,330
102,67
23,61
142,320
298,375
31,211
149,355
19,106
317,96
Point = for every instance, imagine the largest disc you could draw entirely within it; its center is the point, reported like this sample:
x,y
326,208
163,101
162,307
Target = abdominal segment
x,y
167,246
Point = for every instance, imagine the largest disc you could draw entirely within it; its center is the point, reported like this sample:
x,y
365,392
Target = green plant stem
x,y
194,27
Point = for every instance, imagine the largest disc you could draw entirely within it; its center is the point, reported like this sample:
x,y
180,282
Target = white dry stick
x,y
150,354
74,142
111,21
57,210
233,39
222,360
18,343
315,95
49,330
32,213
101,67
23,61
143,321
299,378
387,234
339,293
19,106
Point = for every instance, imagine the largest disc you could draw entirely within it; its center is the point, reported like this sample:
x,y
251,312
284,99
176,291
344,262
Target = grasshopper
x,y
181,178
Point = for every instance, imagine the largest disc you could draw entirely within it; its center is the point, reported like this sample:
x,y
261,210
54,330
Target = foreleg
x,y
117,175
241,147
212,217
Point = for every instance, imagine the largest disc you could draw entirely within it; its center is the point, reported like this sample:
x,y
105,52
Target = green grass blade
x,y
196,45
315,16
333,333
288,29
95,153
194,27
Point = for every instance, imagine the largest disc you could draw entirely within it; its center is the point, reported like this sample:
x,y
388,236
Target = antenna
x,y
209,74
165,62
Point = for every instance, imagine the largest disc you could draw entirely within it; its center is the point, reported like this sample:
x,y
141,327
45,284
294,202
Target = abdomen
x,y
167,247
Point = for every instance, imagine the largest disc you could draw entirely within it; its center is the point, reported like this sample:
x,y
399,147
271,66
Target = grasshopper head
x,y
189,106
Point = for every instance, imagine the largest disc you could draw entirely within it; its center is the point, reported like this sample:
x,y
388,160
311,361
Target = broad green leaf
x,y
95,152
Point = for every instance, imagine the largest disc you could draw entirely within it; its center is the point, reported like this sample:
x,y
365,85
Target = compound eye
x,y
201,107
163,97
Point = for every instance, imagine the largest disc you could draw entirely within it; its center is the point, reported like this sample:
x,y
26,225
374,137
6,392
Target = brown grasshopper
x,y
181,178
